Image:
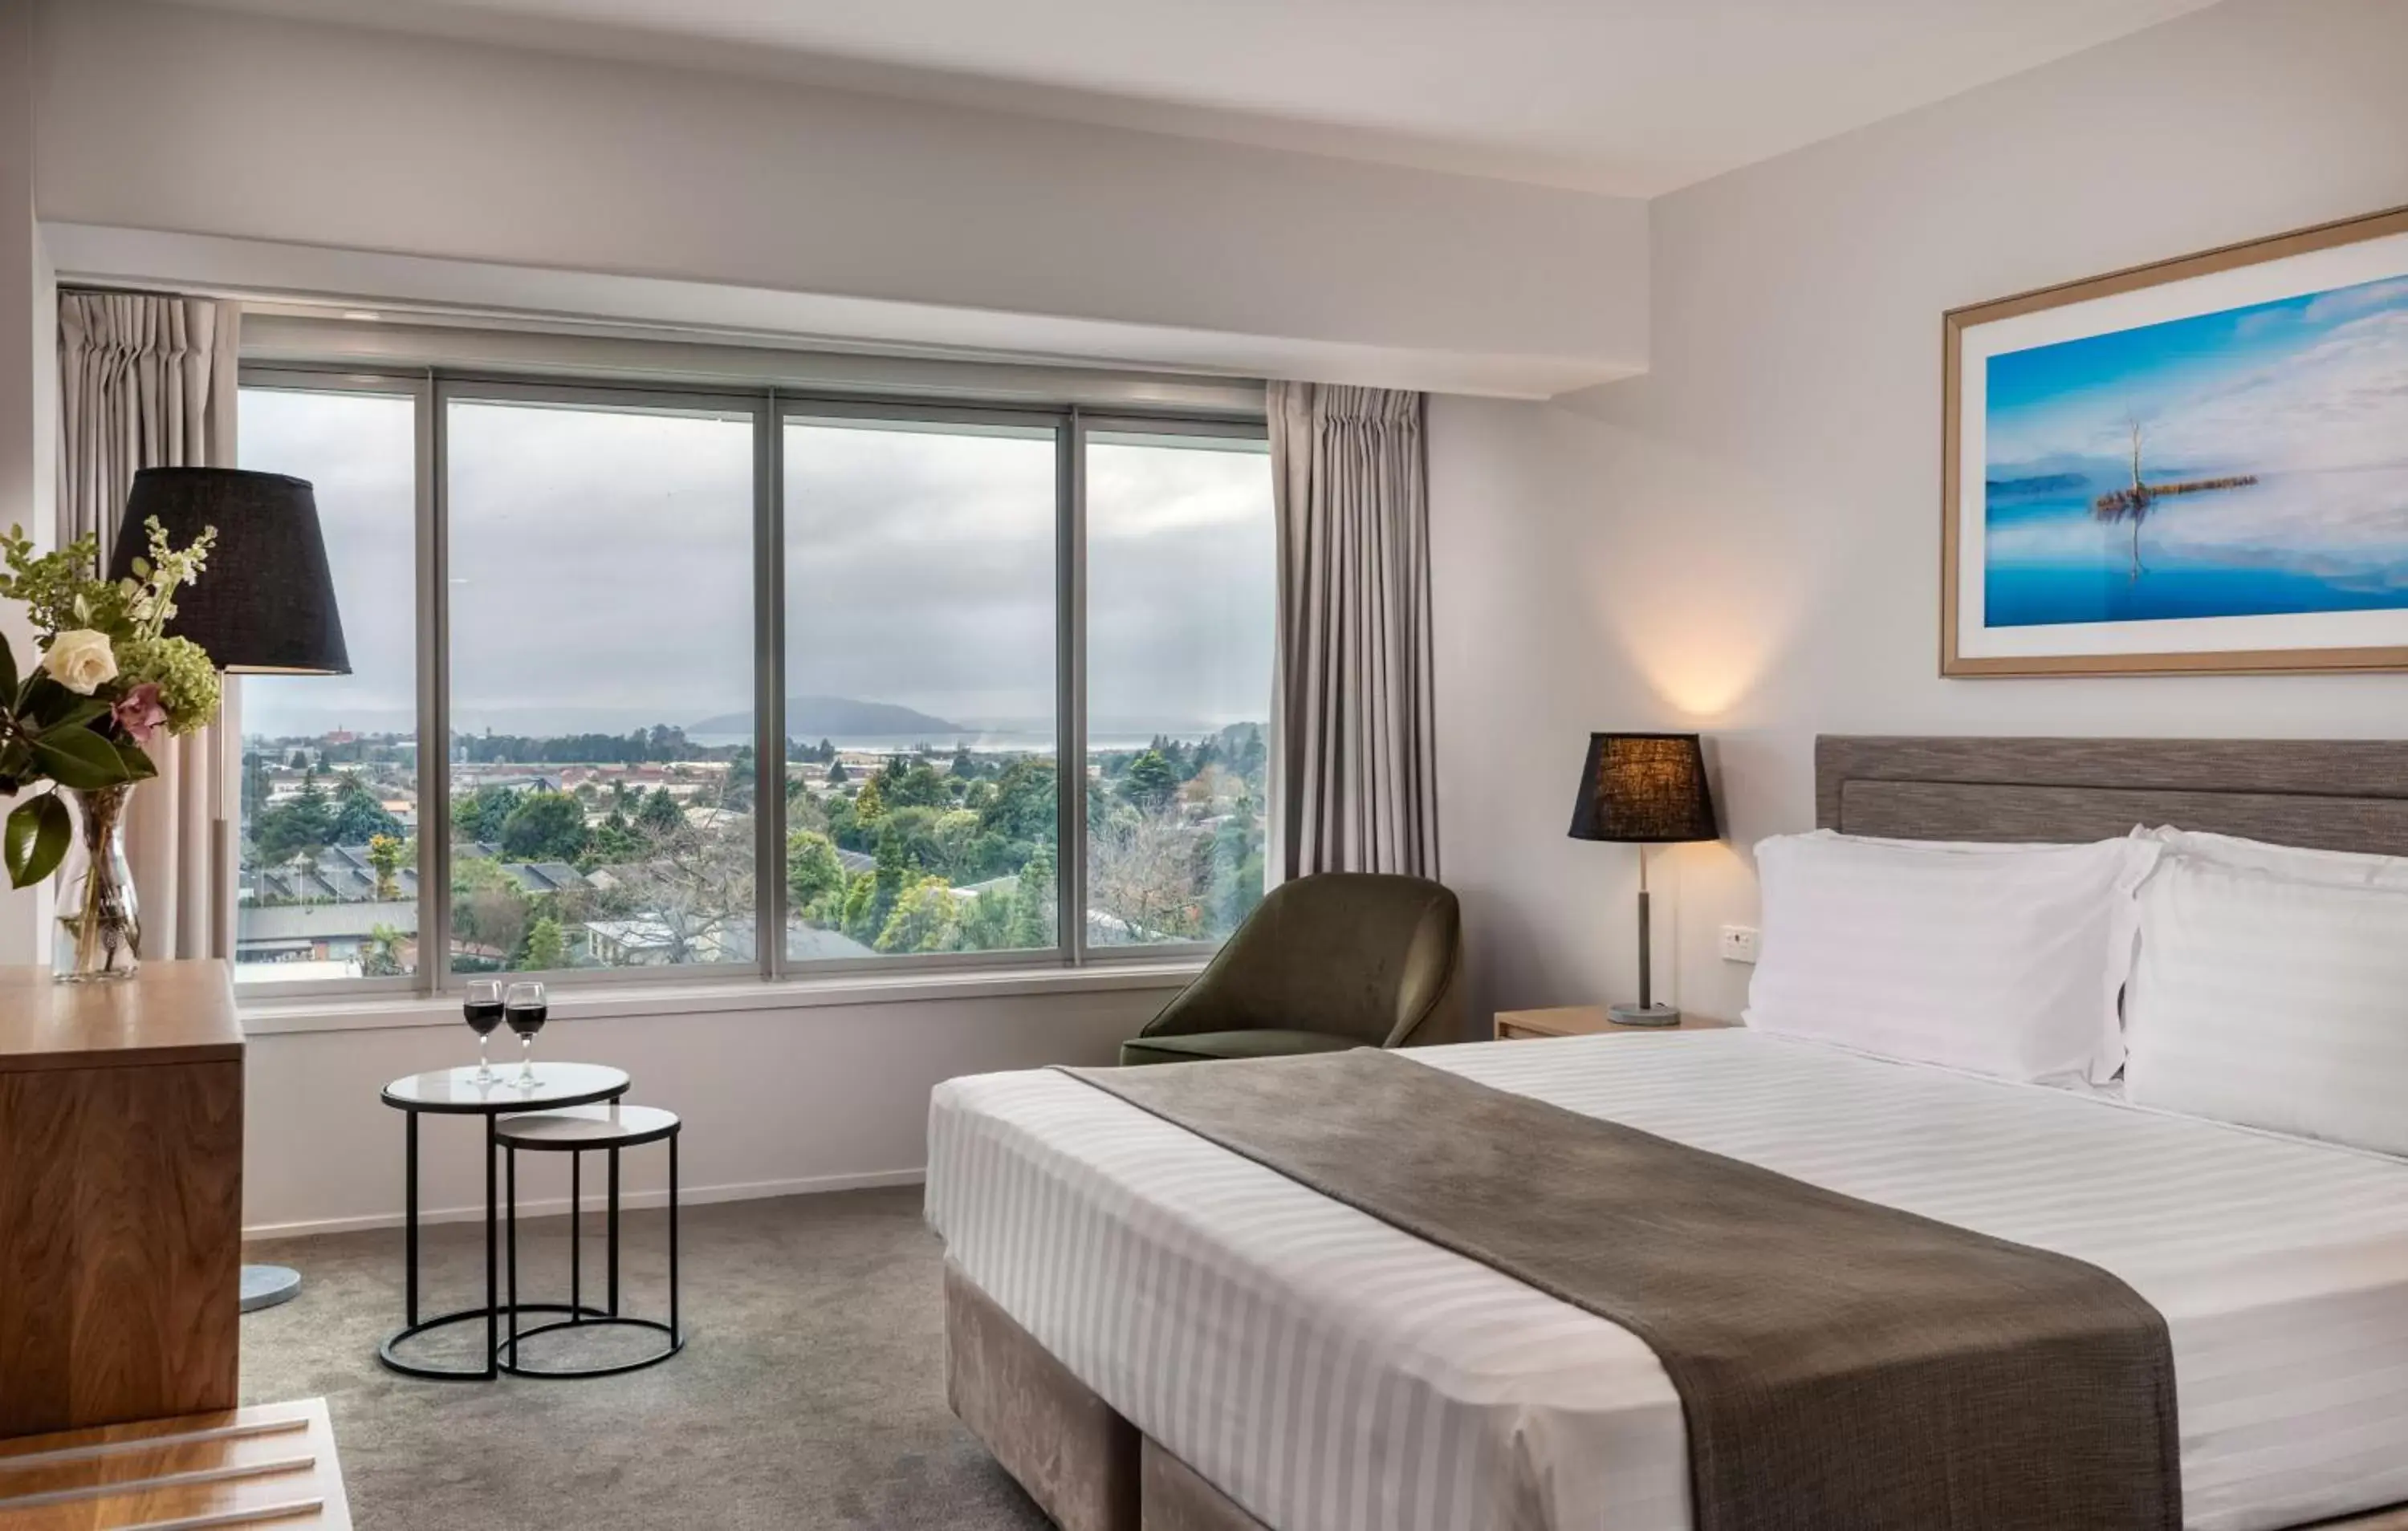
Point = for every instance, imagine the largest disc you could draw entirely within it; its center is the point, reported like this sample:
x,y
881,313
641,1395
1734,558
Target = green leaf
x,y
79,759
137,764
7,669
37,833
79,714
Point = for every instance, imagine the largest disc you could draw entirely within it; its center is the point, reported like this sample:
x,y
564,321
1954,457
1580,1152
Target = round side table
x,y
454,1092
576,1131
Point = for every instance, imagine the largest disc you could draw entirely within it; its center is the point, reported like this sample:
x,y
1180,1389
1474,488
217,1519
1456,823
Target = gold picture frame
x,y
2165,288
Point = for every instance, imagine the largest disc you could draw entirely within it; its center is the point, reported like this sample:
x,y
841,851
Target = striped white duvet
x,y
1331,1373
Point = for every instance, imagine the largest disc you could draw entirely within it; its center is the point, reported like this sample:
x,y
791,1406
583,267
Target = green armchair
x,y
1344,959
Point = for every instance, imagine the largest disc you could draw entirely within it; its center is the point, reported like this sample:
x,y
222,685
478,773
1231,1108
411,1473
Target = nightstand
x,y
1585,1021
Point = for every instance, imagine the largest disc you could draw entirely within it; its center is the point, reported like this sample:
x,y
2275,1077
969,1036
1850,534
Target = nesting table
x,y
454,1092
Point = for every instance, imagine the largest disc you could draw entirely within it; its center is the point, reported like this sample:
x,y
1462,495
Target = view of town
x,y
602,850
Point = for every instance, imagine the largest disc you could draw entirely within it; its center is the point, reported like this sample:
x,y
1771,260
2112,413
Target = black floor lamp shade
x,y
266,603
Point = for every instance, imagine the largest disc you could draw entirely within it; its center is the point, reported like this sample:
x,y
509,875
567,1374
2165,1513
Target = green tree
x,y
387,855
871,899
1150,781
812,871
921,786
547,948
301,826
382,956
1036,912
660,812
837,774
489,908
614,842
480,815
358,817
926,917
870,806
1025,804
545,826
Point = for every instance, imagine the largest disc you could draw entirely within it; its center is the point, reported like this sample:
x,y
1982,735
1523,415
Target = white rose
x,y
81,661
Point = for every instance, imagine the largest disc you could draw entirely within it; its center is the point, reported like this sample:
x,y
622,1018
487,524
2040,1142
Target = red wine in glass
x,y
526,1009
482,1007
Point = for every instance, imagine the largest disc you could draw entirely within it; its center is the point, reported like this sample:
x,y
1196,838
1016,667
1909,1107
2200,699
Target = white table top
x,y
457,1090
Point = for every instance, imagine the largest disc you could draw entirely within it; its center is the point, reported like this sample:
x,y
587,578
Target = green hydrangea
x,y
187,681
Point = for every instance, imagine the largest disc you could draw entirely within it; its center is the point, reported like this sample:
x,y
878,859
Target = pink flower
x,y
140,714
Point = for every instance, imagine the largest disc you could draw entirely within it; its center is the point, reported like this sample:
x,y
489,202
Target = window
x,y
1181,614
329,802
922,803
600,574
751,683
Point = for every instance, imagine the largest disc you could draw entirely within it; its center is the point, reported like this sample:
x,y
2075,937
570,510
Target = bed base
x,y
1092,1470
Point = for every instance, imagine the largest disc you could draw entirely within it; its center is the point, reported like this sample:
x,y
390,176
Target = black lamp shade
x,y
264,605
1647,789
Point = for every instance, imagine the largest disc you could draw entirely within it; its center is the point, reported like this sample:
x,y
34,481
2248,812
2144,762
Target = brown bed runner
x,y
1841,1365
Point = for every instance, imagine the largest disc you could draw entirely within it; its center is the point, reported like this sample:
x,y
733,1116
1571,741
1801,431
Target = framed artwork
x,y
2199,465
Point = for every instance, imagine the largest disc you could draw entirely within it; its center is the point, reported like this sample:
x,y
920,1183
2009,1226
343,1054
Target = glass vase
x,y
100,928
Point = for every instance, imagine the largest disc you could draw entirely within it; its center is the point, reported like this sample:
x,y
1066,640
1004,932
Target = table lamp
x,y
1643,790
264,606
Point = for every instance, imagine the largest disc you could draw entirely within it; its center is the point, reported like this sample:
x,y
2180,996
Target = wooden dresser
x,y
121,1196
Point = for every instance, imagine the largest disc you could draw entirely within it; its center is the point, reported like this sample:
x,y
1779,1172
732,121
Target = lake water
x,y
2290,544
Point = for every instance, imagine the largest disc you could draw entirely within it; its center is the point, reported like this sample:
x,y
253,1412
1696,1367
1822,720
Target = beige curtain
x,y
148,380
1356,790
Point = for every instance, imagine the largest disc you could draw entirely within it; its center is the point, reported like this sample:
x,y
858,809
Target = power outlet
x,y
1738,943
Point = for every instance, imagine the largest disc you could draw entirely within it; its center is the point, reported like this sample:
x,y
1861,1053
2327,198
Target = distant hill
x,y
837,718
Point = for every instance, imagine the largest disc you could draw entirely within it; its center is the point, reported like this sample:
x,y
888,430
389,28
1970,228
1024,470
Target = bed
x,y
1149,1328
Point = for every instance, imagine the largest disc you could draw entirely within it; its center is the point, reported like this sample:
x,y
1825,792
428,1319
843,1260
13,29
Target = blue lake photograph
x,y
2246,463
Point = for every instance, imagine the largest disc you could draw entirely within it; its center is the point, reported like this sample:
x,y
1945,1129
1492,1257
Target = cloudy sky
x,y
601,569
2308,393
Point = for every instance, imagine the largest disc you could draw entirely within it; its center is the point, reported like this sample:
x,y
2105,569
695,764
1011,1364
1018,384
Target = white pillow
x,y
2271,1002
2335,869
2004,962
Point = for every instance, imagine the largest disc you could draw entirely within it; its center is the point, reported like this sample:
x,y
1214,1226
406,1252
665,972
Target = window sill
x,y
326,1012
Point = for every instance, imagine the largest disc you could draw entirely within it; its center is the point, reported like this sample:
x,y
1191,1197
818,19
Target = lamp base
x,y
1643,1015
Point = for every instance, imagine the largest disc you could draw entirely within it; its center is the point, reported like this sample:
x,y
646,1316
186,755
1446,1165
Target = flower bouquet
x,y
79,720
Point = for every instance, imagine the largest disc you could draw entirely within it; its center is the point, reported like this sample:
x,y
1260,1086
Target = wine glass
x,y
481,1005
524,1009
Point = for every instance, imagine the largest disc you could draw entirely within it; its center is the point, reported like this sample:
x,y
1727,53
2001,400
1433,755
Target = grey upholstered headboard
x,y
2348,795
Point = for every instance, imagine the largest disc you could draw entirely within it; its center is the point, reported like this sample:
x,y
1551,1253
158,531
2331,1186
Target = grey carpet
x,y
810,1392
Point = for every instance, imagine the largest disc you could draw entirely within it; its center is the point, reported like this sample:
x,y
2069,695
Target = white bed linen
x,y
1332,1373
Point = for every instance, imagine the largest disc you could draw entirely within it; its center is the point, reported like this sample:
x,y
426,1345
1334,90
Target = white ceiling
x,y
1632,97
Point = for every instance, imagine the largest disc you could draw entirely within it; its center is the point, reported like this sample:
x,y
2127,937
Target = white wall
x,y
775,1100
198,121
1746,540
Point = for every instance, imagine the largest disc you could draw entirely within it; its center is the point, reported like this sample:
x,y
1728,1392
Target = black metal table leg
x,y
614,1233
492,1320
410,1217
514,1252
576,1242
676,1334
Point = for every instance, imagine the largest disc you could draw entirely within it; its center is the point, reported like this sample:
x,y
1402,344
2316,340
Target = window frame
x,y
434,389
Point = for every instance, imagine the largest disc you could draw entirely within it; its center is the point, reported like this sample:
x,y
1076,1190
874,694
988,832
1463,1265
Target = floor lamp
x,y
1643,790
264,606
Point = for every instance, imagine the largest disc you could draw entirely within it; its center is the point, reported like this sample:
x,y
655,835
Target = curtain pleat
x,y
1356,789
150,380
